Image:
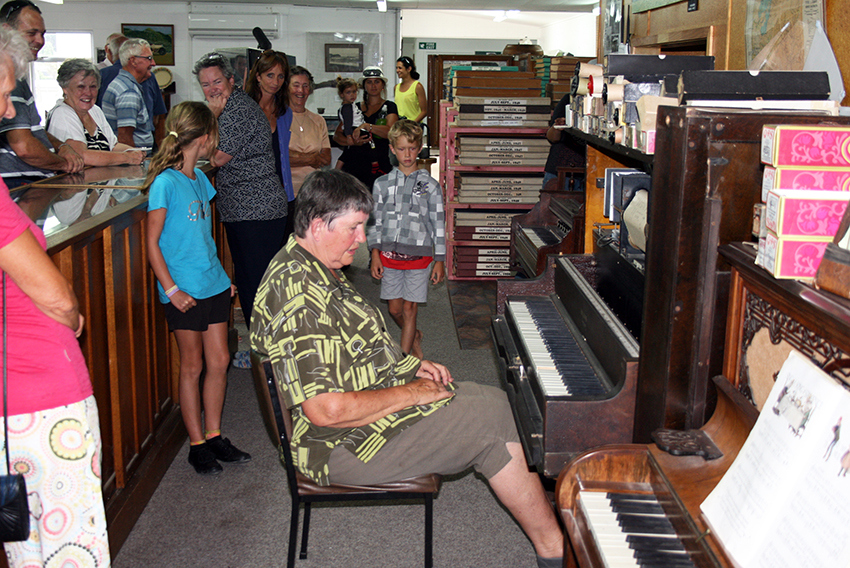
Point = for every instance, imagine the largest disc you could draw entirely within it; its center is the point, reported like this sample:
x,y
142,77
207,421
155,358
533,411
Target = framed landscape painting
x,y
160,36
343,57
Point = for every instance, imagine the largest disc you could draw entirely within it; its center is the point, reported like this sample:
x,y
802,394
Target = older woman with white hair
x,y
53,427
251,201
80,122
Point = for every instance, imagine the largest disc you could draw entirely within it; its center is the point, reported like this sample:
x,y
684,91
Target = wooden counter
x,y
96,236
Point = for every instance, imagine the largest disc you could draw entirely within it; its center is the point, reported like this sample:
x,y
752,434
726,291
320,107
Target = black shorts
x,y
207,312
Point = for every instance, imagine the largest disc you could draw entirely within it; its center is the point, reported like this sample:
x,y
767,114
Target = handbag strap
x,y
5,383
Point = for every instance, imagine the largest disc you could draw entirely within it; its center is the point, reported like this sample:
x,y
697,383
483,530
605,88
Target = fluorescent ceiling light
x,y
503,15
382,5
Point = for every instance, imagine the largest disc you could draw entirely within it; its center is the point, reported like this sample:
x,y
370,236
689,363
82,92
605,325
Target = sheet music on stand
x,y
785,501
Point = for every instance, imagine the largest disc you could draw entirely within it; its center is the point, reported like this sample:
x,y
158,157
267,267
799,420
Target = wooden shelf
x,y
449,168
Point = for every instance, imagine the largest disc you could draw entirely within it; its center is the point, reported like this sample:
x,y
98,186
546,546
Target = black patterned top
x,y
248,186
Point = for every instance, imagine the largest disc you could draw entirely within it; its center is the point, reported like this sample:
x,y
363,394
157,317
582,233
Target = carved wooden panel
x,y
768,335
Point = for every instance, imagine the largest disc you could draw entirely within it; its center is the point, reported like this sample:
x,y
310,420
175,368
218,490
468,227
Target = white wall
x,y
104,18
575,33
562,31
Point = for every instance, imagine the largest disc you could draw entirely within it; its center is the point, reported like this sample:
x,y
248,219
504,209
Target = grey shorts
x,y
412,285
471,431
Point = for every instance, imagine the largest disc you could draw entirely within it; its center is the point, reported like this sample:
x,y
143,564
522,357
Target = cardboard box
x,y
805,145
789,177
646,141
802,213
790,258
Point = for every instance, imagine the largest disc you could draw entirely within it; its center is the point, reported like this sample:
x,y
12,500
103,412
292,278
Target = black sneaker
x,y
202,458
227,452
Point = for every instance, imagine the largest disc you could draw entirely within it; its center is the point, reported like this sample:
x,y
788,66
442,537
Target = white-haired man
x,y
123,102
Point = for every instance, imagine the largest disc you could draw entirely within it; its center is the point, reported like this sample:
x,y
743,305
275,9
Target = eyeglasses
x,y
9,9
148,57
372,73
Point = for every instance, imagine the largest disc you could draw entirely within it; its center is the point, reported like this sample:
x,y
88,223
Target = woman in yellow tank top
x,y
409,94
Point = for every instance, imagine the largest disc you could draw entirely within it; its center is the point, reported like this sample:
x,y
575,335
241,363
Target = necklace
x,y
298,122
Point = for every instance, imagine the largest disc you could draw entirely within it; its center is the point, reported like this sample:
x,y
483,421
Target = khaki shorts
x,y
410,285
471,431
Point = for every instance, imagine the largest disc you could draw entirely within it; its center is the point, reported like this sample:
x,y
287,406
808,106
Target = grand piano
x,y
673,303
767,318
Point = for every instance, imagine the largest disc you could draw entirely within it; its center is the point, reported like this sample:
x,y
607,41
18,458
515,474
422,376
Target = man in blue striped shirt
x,y
123,103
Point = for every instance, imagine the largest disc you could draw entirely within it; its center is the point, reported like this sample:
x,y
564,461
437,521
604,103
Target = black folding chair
x,y
278,422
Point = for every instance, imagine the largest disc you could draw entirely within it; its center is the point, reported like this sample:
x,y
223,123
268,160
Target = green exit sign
x,y
427,45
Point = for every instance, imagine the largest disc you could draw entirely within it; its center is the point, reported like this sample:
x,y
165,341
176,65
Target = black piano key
x,y
662,556
641,542
637,507
613,496
653,562
645,524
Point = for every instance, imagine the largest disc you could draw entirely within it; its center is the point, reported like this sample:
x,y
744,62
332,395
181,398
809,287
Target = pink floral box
x,y
832,179
789,258
804,213
805,145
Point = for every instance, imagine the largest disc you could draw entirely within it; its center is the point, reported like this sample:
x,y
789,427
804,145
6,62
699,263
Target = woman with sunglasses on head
x,y
268,84
251,201
368,148
409,94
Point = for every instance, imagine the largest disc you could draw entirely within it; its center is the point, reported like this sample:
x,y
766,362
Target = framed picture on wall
x,y
160,36
343,57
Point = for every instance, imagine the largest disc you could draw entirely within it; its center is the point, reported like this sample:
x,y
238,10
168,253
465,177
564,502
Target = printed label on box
x,y
805,145
805,213
830,179
785,258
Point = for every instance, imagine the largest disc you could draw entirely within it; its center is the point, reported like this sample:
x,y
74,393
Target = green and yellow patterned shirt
x,y
323,336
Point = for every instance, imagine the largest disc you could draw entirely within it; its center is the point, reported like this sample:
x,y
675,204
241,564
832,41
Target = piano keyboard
x,y
559,363
631,530
541,236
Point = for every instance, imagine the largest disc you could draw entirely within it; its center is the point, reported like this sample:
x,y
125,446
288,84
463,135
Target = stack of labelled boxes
x,y
805,189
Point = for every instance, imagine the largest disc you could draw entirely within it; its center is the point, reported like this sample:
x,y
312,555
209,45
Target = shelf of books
x,y
493,152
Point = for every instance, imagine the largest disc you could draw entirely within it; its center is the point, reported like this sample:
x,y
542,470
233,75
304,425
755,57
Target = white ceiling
x,y
523,5
489,5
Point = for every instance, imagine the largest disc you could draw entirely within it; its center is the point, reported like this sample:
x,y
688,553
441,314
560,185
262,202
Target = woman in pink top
x,y
54,433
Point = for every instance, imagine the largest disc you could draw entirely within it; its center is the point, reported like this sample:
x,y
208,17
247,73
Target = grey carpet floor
x,y
241,517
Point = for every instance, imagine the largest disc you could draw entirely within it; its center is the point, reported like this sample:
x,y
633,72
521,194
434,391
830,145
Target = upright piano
x,y
567,359
705,180
767,318
555,225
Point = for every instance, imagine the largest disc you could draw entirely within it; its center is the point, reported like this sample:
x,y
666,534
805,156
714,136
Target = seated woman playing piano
x,y
364,411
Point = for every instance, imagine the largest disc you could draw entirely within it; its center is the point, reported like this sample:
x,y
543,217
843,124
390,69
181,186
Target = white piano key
x,y
609,536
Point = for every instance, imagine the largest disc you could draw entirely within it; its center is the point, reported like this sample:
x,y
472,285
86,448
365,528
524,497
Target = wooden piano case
x,y
766,319
769,317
